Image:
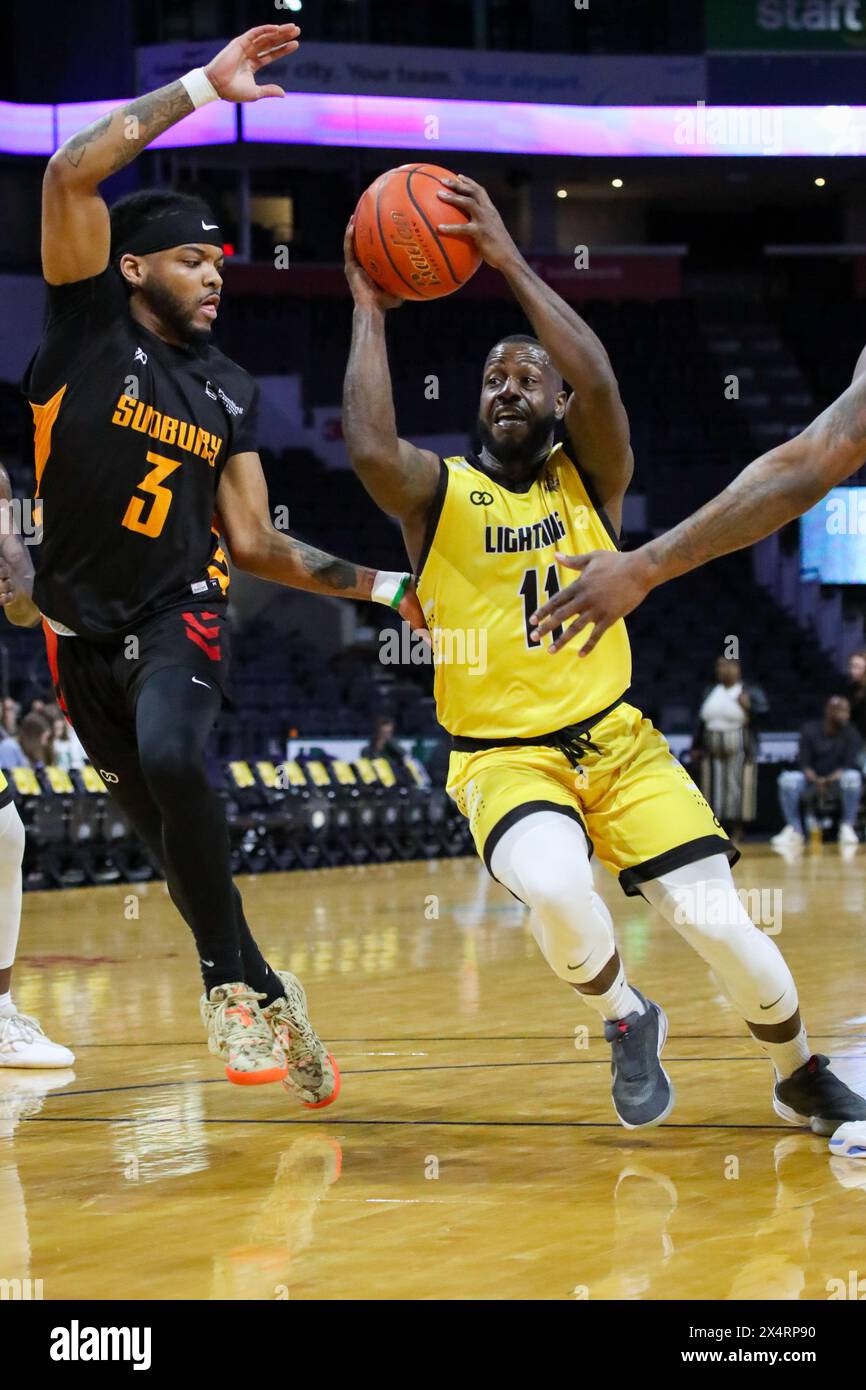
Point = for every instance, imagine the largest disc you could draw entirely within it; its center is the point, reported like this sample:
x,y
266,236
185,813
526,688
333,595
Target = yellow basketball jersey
x,y
490,564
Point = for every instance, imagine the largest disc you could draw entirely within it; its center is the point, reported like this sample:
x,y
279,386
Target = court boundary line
x,y
470,1124
480,1037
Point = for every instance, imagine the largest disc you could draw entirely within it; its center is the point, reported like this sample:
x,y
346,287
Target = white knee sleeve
x,y
11,855
702,902
543,860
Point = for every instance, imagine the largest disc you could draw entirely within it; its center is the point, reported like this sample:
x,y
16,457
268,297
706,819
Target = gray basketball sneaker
x,y
813,1095
641,1090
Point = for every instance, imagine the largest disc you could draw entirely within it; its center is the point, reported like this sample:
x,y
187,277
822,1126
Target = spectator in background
x,y
68,751
724,747
383,743
11,752
856,691
9,716
36,738
831,759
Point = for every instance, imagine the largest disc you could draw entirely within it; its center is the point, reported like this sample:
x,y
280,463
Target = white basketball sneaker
x,y
23,1044
847,834
788,839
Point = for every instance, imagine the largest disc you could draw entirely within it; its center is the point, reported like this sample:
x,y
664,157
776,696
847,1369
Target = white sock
x,y
787,1056
616,1002
6,1005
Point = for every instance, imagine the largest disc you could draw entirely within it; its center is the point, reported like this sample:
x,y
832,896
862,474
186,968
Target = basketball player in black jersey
x,y
145,456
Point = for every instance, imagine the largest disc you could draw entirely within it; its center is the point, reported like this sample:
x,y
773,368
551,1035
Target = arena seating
x,y
314,812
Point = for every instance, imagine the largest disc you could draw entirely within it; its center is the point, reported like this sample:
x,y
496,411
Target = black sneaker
x,y
813,1095
642,1092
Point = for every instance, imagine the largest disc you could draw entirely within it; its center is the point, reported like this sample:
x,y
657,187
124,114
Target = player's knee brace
x,y
11,837
702,902
11,855
543,860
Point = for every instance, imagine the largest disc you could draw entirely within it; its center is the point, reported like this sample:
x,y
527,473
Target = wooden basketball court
x,y
473,1152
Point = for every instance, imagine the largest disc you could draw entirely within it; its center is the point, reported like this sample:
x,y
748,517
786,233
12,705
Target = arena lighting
x,y
820,183
431,126
26,129
528,128
616,183
562,192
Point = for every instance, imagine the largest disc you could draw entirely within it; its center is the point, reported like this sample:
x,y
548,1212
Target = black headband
x,y
173,229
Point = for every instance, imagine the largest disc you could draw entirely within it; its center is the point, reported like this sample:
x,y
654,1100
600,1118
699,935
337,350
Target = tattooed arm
x,y
76,236
776,488
256,546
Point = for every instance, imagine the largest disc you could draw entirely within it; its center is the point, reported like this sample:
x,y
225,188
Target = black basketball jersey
x,y
131,437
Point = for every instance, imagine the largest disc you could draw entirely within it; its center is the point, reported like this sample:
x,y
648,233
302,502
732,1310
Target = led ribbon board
x,y
429,126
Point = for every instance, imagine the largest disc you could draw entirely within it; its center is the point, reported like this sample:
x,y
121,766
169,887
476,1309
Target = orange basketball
x,y
396,237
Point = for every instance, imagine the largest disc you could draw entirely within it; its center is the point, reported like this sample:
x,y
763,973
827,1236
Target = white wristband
x,y
389,587
199,87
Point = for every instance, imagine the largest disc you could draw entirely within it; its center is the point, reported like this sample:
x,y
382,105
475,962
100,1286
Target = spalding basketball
x,y
396,237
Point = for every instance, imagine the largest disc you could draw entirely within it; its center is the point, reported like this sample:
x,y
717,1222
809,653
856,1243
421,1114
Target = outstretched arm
x,y
595,415
776,488
76,235
255,545
400,478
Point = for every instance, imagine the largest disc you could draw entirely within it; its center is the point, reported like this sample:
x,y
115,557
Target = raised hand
x,y
232,72
364,290
485,227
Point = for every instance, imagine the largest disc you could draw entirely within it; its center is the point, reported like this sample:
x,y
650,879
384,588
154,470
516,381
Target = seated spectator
x,y
724,747
383,743
11,752
9,715
68,750
856,691
36,738
830,776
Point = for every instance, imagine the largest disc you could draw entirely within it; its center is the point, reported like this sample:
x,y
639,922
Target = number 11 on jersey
x,y
529,593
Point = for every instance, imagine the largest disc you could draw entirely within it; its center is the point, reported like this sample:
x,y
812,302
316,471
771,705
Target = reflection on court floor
x,y
473,1152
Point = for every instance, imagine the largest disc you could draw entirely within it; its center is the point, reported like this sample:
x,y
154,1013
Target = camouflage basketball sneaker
x,y
642,1092
313,1073
238,1032
813,1095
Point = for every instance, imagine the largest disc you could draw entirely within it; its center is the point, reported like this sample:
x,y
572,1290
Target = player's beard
x,y
524,450
174,314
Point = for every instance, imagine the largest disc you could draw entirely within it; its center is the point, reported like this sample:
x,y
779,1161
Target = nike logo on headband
x,y
209,226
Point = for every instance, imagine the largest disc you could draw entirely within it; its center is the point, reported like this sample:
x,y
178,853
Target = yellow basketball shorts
x,y
639,809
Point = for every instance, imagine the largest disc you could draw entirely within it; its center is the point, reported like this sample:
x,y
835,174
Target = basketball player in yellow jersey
x,y
549,761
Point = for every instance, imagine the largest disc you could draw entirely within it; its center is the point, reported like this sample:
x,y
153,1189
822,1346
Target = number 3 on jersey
x,y
152,483
529,592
